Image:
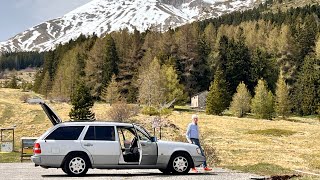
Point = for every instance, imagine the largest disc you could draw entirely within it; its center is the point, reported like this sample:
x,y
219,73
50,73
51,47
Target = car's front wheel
x,y
180,163
76,165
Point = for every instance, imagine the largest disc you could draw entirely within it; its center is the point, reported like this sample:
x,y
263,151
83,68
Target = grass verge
x,y
7,113
263,169
39,117
273,132
9,157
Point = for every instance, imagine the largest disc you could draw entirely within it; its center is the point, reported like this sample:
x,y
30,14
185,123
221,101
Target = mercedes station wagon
x,y
77,146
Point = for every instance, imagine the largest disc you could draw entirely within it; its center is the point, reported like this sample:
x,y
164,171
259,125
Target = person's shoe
x,y
207,169
194,170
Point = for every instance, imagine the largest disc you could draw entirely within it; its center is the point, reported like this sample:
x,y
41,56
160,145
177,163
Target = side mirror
x,y
154,139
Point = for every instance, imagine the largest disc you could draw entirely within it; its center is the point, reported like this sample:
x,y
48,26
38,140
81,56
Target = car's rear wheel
x,y
64,170
180,163
76,165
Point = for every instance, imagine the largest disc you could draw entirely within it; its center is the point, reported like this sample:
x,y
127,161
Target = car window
x,y
104,133
100,133
66,133
126,135
90,134
142,136
142,129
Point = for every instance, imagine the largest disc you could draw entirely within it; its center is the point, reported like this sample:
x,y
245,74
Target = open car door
x,y
54,118
149,148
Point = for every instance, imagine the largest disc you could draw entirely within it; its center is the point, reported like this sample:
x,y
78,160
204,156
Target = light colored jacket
x,y
192,131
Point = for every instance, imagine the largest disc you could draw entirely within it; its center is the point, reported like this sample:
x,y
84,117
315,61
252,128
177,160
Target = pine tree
x,y
270,106
304,32
210,35
82,102
238,64
13,83
130,53
101,65
318,111
66,76
241,100
262,102
37,82
317,48
45,85
218,98
192,61
151,91
81,64
111,93
173,89
235,60
307,88
263,67
282,102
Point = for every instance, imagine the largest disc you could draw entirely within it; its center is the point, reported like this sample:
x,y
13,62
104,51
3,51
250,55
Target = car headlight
x,y
198,151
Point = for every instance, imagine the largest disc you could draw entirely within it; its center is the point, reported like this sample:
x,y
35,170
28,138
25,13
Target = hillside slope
x,y
292,144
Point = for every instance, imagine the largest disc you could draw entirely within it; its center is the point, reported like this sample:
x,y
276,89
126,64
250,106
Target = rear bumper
x,y
198,160
47,161
36,159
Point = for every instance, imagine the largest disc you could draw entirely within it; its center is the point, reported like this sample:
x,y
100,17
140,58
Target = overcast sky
x,y
19,15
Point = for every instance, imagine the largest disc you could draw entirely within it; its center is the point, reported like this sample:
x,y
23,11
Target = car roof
x,y
95,123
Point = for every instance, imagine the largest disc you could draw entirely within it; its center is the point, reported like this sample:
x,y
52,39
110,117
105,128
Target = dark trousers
x,y
197,142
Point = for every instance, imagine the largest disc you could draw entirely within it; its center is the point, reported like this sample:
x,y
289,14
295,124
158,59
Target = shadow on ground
x,y
132,175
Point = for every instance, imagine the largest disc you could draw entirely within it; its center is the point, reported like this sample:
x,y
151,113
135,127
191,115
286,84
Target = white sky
x,y
19,15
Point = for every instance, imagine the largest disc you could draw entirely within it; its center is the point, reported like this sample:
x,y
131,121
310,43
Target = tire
x,y
165,171
64,170
180,163
76,165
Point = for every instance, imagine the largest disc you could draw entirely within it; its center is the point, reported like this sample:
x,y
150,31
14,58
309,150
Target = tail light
x,y
37,148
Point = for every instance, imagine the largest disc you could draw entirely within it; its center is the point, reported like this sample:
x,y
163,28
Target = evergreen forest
x,y
154,68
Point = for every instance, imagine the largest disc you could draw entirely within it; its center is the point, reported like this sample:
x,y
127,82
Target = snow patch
x,y
104,16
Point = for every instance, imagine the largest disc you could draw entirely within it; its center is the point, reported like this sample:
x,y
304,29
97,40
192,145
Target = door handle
x,y
88,144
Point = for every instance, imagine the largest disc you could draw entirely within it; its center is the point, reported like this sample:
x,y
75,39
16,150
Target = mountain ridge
x,y
104,16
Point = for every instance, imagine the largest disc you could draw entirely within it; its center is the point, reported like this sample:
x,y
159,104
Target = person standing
x,y
192,135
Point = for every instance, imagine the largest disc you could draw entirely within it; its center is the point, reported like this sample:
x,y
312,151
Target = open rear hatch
x,y
54,118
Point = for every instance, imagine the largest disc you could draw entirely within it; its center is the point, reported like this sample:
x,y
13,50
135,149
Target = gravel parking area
x,y
29,171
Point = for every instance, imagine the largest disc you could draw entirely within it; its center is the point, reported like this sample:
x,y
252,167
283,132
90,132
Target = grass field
x,y
260,146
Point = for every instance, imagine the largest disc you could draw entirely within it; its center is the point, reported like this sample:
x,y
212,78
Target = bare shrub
x,y
209,150
179,137
121,111
24,98
151,111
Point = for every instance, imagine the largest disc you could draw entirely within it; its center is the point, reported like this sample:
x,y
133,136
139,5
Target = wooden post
x,y
13,140
21,155
3,140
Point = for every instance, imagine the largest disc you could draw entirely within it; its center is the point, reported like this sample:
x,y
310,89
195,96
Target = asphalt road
x,y
28,171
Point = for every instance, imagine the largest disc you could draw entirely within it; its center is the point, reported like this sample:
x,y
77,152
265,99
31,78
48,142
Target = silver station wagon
x,y
77,146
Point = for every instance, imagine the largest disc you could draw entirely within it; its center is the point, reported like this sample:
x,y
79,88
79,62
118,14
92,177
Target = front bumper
x,y
198,160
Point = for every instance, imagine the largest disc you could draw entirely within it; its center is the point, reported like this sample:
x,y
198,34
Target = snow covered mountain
x,y
103,16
